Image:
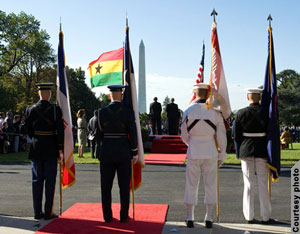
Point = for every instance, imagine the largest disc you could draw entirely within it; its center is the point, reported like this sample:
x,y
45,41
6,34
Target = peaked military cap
x,y
44,86
259,91
201,86
115,87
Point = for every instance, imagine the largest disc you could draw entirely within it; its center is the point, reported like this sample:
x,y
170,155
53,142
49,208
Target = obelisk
x,y
142,79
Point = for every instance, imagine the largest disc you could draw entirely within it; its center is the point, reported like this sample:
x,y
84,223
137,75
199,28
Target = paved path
x,y
161,185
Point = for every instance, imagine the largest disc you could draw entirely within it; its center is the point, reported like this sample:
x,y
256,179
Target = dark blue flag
x,y
269,100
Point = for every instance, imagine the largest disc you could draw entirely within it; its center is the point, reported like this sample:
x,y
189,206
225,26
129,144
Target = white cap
x,y
201,86
259,91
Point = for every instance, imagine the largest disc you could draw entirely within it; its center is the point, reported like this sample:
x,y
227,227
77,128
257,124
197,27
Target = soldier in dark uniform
x,y
118,135
45,127
155,115
250,128
172,114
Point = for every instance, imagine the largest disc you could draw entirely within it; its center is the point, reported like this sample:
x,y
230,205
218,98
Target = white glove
x,y
135,159
61,156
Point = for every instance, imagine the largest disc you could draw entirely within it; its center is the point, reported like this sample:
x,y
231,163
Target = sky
x,y
173,32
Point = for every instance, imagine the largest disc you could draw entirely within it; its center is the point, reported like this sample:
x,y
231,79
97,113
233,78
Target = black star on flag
x,y
98,68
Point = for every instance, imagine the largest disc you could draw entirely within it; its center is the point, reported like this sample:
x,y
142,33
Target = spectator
x,y
16,124
81,132
94,141
155,115
172,114
1,119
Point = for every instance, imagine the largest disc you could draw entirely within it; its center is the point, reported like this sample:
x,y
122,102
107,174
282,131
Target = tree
x,y
165,103
104,100
24,54
289,97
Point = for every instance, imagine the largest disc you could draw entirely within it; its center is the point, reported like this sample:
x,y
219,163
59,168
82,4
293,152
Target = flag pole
x,y
269,184
218,195
132,172
132,189
60,187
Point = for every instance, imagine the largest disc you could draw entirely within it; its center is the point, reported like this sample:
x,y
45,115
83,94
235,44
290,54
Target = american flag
x,y
200,75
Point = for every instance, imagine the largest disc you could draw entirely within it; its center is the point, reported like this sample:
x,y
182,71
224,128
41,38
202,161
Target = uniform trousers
x,y
250,166
172,126
107,172
156,125
194,167
43,171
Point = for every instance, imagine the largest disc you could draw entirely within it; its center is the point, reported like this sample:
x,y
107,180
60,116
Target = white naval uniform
x,y
202,154
250,166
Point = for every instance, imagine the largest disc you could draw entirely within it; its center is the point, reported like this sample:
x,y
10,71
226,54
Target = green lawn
x,y
288,157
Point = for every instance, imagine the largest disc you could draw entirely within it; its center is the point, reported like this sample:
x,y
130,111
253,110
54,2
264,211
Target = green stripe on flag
x,y
106,79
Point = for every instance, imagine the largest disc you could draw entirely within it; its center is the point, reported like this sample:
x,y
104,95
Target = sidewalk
x,y
27,225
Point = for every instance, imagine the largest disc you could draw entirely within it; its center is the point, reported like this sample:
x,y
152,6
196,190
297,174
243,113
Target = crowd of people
x,y
13,135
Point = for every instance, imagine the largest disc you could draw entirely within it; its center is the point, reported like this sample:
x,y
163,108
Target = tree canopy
x,y
289,97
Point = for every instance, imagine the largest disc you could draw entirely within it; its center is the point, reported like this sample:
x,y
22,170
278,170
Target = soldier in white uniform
x,y
202,130
250,137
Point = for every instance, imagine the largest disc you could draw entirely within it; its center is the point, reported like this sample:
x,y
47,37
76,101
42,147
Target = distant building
x,y
142,79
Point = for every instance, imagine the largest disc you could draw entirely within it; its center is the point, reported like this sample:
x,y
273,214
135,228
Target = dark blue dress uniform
x,y
172,114
118,136
250,121
45,127
155,115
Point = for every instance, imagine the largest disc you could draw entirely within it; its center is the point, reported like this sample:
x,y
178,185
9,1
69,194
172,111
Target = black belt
x,y
115,135
44,133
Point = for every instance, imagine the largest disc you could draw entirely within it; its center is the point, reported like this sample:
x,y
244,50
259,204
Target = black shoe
x,y
252,221
125,220
270,221
208,224
52,216
189,223
39,216
108,220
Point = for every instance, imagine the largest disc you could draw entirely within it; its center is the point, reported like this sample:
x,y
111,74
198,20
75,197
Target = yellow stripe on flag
x,y
101,68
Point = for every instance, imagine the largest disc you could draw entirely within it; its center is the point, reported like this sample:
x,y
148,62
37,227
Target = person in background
x,y
81,132
286,138
16,123
94,141
155,115
172,114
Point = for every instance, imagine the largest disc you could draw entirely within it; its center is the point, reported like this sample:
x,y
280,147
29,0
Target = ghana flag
x,y
107,69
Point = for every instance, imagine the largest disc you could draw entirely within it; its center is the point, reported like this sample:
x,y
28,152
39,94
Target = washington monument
x,y
142,79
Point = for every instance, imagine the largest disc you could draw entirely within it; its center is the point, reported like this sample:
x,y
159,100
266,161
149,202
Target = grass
x,y
288,157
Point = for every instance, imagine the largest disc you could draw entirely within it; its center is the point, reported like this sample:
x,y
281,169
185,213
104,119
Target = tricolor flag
x,y
269,100
107,69
64,103
200,75
130,100
218,95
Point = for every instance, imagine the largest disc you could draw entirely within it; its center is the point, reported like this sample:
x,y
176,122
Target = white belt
x,y
202,137
257,134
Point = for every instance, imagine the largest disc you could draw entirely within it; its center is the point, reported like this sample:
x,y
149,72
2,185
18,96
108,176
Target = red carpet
x,y
167,144
174,159
86,218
